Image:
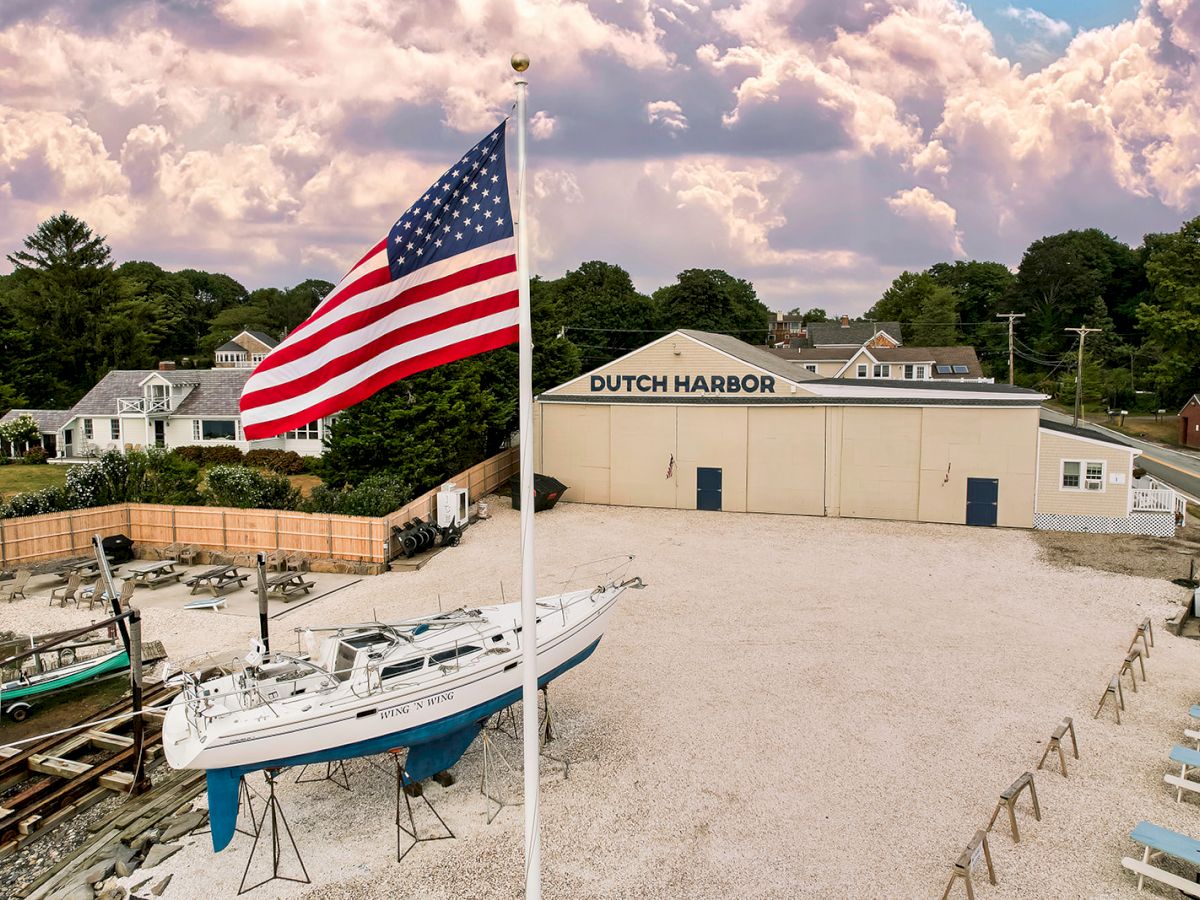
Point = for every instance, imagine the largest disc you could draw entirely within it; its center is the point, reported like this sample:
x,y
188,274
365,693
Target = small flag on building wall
x,y
440,286
671,466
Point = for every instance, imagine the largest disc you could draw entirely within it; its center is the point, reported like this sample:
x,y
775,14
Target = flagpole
x,y
529,704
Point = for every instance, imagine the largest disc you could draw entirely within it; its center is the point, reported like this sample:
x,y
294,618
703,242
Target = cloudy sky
x,y
816,147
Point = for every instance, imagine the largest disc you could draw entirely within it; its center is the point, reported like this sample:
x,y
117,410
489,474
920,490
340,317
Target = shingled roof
x,y
216,393
852,333
48,420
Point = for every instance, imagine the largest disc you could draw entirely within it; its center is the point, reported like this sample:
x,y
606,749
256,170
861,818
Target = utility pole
x,y
1010,317
1083,332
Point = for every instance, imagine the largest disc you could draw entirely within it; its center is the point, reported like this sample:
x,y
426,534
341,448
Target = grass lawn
x,y
1166,431
17,478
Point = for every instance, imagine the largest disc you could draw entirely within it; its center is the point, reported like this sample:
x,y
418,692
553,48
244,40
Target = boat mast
x,y
529,707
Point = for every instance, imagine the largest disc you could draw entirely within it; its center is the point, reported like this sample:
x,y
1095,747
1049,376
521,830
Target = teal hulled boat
x,y
64,677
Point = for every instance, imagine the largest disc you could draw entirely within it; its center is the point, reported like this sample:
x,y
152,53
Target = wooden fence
x,y
358,538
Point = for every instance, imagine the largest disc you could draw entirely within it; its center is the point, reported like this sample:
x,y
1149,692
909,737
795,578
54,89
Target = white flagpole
x,y
529,704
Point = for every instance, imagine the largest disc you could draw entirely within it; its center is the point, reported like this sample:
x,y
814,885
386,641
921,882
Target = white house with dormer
x,y
169,407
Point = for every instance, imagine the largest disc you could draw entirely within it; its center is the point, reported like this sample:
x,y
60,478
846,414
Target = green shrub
x,y
376,495
211,455
245,488
35,455
286,462
35,503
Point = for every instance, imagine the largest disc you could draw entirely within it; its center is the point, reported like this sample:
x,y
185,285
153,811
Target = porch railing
x,y
1154,500
143,405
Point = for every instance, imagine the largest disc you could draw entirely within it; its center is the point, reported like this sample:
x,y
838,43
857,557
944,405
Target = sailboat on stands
x,y
428,684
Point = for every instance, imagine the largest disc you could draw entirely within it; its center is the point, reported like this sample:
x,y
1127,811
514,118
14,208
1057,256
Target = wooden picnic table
x,y
152,574
286,585
218,579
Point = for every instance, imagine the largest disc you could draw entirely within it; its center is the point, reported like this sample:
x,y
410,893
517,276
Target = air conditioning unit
x,y
452,505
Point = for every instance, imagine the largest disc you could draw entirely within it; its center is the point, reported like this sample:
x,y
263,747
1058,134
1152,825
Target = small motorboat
x,y
15,694
426,684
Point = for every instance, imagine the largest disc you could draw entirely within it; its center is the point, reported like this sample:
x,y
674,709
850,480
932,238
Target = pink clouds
x,y
270,140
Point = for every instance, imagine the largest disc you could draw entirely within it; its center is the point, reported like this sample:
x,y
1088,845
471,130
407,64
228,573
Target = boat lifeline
x,y
427,684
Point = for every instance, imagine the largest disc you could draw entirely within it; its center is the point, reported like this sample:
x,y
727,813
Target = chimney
x,y
845,321
166,365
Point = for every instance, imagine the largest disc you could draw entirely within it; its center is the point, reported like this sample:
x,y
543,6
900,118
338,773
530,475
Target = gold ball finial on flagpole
x,y
520,62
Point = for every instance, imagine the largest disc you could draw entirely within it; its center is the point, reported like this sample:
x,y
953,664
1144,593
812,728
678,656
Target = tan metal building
x,y
705,421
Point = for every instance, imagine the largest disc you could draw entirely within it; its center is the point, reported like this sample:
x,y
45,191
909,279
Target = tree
x,y
1172,320
935,322
62,287
816,314
602,313
1058,281
231,322
713,300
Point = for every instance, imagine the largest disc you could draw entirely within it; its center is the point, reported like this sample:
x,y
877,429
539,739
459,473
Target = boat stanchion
x,y
335,772
278,828
404,785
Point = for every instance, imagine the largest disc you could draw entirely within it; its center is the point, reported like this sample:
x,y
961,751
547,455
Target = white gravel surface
x,y
794,707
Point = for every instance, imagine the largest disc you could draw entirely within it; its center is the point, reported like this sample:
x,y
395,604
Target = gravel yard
x,y
794,707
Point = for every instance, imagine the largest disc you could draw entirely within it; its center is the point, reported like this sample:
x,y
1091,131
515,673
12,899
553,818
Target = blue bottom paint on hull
x,y
433,747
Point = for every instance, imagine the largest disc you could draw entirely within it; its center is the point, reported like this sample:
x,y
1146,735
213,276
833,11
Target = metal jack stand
x,y
277,822
335,771
546,733
492,754
505,721
405,785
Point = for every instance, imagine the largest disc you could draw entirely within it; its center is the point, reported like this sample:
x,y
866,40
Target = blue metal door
x,y
982,498
708,488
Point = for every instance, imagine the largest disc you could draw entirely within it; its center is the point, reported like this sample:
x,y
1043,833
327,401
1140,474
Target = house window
x,y
862,370
810,367
195,429
309,432
961,370
908,372
217,429
87,429
1082,475
922,373
944,370
882,370
115,429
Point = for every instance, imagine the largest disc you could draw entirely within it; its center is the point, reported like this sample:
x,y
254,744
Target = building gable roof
x,y
749,354
820,333
1085,433
216,392
231,347
1195,399
263,338
48,420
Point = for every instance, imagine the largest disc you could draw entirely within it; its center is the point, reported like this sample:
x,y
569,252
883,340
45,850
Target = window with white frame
x,y
309,432
195,429
1082,475
115,429
87,429
862,370
218,430
922,373
810,367
882,370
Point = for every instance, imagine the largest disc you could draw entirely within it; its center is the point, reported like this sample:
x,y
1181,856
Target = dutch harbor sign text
x,y
684,384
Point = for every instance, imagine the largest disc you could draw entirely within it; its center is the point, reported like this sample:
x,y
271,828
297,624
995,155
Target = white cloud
x,y
920,205
1039,21
668,113
542,125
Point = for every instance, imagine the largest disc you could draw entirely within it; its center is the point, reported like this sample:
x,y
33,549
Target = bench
x,y
1187,758
162,578
1159,841
1008,798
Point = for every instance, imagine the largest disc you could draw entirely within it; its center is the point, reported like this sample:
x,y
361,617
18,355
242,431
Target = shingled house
x,y
246,350
48,421
169,407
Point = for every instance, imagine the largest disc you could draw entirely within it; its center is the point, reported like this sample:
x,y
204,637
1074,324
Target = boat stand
x,y
335,771
404,787
278,824
492,755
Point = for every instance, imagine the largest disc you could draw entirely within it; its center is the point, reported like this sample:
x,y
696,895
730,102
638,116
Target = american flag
x,y
442,285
